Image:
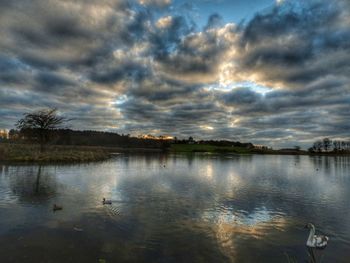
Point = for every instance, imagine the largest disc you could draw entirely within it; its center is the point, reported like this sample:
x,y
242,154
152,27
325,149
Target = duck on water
x,y
57,207
106,202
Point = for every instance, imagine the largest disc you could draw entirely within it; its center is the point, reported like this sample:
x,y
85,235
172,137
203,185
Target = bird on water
x,y
106,202
315,241
56,207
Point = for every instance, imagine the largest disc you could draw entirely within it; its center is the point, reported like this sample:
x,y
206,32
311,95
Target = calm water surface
x,y
175,208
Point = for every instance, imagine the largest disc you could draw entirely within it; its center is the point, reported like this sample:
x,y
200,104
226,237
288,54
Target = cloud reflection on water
x,y
194,208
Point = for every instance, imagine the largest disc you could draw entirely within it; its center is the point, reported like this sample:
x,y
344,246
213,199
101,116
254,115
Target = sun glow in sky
x,y
181,68
206,127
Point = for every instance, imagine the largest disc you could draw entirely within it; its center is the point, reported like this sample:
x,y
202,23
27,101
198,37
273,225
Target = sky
x,y
268,72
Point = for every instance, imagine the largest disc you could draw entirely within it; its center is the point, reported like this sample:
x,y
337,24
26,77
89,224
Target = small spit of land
x,y
32,153
58,153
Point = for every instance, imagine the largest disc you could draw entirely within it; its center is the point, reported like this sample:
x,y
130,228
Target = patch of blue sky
x,y
248,84
121,100
230,10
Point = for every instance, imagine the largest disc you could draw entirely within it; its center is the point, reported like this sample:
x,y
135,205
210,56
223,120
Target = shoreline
x,y
206,148
29,153
61,154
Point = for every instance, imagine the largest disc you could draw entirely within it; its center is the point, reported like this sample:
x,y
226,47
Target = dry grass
x,y
31,153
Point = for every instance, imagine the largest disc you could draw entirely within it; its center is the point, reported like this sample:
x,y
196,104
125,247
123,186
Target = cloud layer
x,y
281,78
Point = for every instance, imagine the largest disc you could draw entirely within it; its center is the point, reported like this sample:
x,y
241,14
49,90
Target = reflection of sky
x,y
232,201
241,218
258,216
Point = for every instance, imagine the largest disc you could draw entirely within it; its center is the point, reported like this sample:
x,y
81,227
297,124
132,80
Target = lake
x,y
176,208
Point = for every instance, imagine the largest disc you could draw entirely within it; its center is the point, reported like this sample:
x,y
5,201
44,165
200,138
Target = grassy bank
x,y
208,148
11,152
31,153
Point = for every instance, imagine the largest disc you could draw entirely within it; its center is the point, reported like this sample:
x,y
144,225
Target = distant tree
x,y
297,148
38,125
343,145
326,144
311,150
15,135
317,146
337,146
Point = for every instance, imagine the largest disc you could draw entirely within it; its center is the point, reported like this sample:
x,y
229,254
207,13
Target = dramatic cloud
x,y
157,3
279,78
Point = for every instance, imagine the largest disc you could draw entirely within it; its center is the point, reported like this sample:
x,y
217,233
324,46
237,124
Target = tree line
x,y
46,127
221,143
83,138
328,145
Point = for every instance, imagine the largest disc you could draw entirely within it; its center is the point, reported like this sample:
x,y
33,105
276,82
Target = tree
x,y
297,148
343,145
311,150
317,146
13,134
327,144
38,125
337,146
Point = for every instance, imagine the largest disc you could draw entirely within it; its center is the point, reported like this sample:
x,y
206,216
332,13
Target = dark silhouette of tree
x,y
13,134
343,145
337,146
317,146
297,148
327,144
38,124
94,138
311,150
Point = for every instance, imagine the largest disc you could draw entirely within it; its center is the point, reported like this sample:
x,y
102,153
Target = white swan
x,y
315,241
106,202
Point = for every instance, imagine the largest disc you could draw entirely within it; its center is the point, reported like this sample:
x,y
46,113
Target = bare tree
x,y
317,146
337,146
297,148
343,145
327,144
40,123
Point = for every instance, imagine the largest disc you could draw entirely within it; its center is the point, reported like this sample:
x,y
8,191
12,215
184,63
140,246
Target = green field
x,y
208,148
